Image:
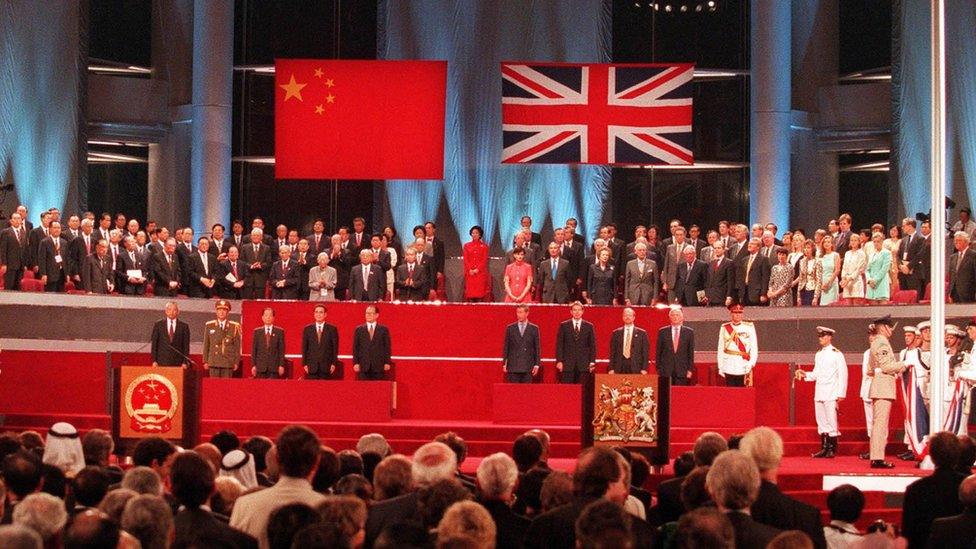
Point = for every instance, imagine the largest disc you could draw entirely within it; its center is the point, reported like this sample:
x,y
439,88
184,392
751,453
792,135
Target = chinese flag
x,y
359,119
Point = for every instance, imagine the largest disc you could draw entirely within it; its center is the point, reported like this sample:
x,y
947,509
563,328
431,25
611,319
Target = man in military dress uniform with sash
x,y
737,349
222,343
884,369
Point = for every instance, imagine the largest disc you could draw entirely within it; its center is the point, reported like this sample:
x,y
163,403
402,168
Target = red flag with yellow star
x,y
339,119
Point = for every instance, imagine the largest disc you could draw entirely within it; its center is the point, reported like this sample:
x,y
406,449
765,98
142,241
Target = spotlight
x,y
657,7
684,9
698,8
667,8
712,6
637,4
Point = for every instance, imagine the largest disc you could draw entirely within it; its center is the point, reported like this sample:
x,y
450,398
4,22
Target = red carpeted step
x,y
818,498
41,422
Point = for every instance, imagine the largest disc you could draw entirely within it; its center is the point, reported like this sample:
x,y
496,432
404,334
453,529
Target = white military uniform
x,y
737,349
830,373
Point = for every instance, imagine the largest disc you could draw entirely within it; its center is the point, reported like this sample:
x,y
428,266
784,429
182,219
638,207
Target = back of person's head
x,y
226,492
596,469
32,441
286,521
693,493
354,485
143,480
733,480
370,461
684,463
435,498
191,479
764,446
455,443
9,444
43,513
152,451
22,473
350,463
432,462
704,528
321,535
526,450
97,445
149,519
790,539
373,442
89,486
114,502
298,451
54,481
211,454
458,541
91,530
15,536
348,513
707,447
528,493
557,490
468,518
734,441
497,475
225,441
402,535
967,454
845,503
327,473
603,525
258,447
392,477
967,493
640,470
944,449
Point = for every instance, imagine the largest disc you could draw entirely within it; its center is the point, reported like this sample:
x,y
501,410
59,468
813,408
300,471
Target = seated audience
x,y
845,503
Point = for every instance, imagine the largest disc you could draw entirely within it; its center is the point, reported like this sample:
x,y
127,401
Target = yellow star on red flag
x,y
292,89
319,109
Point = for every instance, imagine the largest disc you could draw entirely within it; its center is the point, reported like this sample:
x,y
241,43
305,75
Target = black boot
x,y
831,447
881,464
823,447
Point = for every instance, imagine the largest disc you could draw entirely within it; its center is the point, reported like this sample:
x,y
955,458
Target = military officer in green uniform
x,y
883,368
222,343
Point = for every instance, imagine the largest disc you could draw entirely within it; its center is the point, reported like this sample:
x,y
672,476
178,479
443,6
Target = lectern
x,y
158,401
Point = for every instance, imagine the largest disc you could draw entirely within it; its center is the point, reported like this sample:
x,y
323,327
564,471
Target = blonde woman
x,y
878,273
852,273
829,270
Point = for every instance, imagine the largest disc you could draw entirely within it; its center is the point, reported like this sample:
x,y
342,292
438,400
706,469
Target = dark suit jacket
x,y
200,527
126,264
521,352
776,509
163,273
376,283
955,531
675,364
438,259
258,277
14,254
96,275
371,355
318,355
510,528
221,248
914,248
639,350
46,263
290,276
264,357
686,286
962,281
383,259
720,283
197,272
576,352
225,288
758,283
77,253
325,244
927,499
554,291
555,529
669,507
751,534
381,514
185,255
574,256
342,263
170,353
416,290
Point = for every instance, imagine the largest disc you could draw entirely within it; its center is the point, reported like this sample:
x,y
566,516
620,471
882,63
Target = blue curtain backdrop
x,y
475,36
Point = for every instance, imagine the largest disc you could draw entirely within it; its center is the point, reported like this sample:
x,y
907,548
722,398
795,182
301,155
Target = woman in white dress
x,y
891,244
391,274
852,273
322,280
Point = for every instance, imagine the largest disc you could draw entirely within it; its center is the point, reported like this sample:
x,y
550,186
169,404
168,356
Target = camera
x,y
878,526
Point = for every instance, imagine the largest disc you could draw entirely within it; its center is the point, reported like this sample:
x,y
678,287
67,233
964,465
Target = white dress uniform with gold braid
x,y
830,374
738,349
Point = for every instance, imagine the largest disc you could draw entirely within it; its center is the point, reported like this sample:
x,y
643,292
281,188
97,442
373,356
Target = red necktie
x,y
233,268
318,331
716,265
370,333
171,330
267,339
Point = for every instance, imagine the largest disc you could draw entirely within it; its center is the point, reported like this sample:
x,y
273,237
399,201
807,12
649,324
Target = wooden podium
x,y
629,410
160,401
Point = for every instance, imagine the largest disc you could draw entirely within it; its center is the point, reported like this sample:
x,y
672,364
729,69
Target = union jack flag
x,y
596,114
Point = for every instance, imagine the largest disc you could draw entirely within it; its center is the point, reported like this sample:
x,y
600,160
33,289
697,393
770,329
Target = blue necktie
x,y
555,267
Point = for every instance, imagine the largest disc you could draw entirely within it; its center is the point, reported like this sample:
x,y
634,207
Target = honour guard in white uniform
x,y
830,374
737,349
956,395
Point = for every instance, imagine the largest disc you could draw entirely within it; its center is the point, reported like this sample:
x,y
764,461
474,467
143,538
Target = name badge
x,y
57,258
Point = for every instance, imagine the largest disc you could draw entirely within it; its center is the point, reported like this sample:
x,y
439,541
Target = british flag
x,y
596,114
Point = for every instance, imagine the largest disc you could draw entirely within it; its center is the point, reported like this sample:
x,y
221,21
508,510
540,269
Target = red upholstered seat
x,y
28,274
31,285
905,296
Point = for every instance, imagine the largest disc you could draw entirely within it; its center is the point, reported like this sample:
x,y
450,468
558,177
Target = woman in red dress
x,y
477,279
518,279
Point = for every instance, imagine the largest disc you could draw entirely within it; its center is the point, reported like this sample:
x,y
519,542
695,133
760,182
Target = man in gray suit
x,y
521,351
640,278
672,258
553,273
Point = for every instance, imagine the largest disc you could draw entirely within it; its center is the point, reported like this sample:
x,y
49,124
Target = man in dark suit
x,y
575,347
371,347
79,249
411,278
219,243
909,258
203,270
962,270
732,481
51,258
280,241
772,507
553,276
284,276
936,495
629,347
184,251
14,252
572,252
675,353
166,270
37,235
97,276
318,241
381,257
521,350
669,508
752,276
342,260
258,257
430,230
268,348
366,280
133,269
320,346
957,530
534,238
237,269
691,278
170,339
191,481
359,239
842,242
719,278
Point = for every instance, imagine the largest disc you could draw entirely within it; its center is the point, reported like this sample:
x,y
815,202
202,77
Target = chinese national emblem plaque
x,y
625,410
151,400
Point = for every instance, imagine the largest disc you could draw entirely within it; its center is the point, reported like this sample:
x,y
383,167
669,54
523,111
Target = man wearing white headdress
x,y
63,449
240,465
